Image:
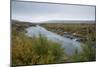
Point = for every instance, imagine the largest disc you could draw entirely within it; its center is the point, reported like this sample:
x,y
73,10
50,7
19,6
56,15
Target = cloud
x,y
36,12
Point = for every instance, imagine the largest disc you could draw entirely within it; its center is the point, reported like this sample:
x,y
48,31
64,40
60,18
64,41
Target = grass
x,y
88,54
32,51
28,51
87,31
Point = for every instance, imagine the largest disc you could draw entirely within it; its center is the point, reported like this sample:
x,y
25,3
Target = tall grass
x,y
87,31
27,51
88,53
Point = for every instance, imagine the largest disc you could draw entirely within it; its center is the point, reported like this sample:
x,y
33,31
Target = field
x,y
33,51
83,30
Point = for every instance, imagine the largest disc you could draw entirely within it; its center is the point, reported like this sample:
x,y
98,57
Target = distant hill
x,y
70,21
54,21
24,23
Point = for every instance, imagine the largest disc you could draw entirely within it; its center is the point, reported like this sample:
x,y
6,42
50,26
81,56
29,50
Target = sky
x,y
39,12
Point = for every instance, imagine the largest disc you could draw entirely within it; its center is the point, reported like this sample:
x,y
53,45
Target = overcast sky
x,y
38,12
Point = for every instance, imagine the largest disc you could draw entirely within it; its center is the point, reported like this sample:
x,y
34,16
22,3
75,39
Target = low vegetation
x,y
88,54
85,30
32,51
28,51
82,30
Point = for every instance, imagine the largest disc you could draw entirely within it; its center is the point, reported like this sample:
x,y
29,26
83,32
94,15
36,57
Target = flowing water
x,y
68,44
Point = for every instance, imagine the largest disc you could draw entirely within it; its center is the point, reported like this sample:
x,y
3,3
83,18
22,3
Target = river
x,y
68,44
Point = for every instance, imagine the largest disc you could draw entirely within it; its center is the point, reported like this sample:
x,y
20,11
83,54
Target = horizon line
x,y
49,20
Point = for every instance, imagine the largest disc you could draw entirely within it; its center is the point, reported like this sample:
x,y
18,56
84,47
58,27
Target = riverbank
x,y
83,32
27,50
